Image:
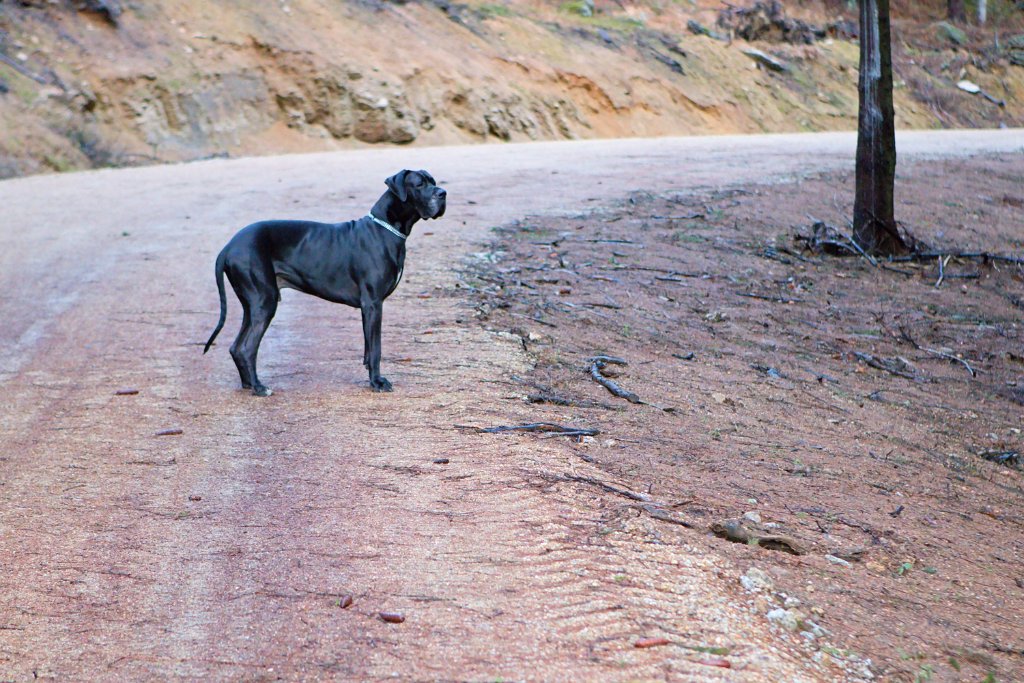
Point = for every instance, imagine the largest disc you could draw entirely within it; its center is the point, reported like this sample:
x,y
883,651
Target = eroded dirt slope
x,y
185,79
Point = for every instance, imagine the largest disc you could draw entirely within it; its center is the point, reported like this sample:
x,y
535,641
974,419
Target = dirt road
x,y
222,552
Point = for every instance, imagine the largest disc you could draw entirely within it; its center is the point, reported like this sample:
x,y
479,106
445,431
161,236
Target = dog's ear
x,y
396,184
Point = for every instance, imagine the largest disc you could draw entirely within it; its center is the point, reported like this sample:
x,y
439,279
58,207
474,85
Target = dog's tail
x,y
219,271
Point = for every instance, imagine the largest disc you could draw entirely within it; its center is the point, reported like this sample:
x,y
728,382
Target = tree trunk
x,y
982,12
956,11
874,227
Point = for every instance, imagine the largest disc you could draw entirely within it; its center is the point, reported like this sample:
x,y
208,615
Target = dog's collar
x,y
384,224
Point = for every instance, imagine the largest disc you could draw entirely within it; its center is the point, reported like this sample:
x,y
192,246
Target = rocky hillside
x,y
88,83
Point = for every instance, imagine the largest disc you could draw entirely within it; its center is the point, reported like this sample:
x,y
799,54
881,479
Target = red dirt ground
x,y
764,352
225,551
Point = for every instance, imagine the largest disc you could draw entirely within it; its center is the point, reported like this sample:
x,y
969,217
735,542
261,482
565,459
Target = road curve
x,y
222,552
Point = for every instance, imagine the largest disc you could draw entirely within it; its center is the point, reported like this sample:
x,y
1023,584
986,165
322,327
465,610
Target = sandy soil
x,y
223,552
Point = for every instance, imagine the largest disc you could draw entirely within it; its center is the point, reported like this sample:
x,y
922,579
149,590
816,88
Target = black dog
x,y
356,263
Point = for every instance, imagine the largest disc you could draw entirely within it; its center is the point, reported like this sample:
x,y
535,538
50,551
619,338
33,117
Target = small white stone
x,y
753,516
818,631
784,618
756,580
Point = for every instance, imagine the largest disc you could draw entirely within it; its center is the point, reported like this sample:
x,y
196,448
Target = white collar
x,y
384,224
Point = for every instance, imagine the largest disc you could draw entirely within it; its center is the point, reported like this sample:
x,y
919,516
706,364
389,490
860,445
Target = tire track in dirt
x,y
222,552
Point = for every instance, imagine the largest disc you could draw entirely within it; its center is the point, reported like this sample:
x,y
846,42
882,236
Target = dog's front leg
x,y
372,312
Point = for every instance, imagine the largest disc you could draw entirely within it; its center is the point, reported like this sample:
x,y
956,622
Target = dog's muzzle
x,y
438,203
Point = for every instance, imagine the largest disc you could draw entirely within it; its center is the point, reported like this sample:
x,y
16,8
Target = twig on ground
x,y
632,495
678,218
943,354
886,365
22,70
930,255
776,299
535,427
905,336
665,516
557,400
597,364
825,237
647,504
613,360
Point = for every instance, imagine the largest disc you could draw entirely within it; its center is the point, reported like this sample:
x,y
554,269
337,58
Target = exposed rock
x,y
787,619
766,20
698,29
110,10
946,31
757,580
1015,50
766,60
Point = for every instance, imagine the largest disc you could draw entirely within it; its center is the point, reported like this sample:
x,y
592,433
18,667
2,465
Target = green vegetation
x,y
491,10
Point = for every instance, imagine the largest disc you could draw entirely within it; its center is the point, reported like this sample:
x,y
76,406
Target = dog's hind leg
x,y
262,313
236,355
259,295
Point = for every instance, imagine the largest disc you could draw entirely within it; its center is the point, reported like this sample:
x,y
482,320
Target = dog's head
x,y
419,189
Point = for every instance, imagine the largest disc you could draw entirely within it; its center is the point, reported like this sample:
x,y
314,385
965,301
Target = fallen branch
x,y
625,493
943,354
21,69
547,427
737,531
775,299
905,336
597,364
830,240
555,399
613,360
984,256
1008,458
665,516
688,216
886,365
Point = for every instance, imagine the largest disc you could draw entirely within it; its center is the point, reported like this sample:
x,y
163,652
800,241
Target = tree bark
x,y
956,11
874,227
982,12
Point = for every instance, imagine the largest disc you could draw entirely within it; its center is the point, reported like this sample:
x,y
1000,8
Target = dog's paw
x,y
260,390
381,384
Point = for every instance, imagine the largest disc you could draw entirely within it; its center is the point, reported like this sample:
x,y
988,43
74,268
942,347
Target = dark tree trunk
x,y
874,227
956,11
